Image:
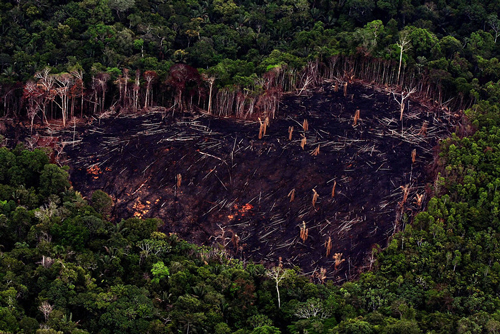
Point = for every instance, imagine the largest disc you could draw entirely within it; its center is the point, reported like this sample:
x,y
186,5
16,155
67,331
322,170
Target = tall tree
x,y
64,80
150,77
404,45
278,274
46,81
34,95
183,78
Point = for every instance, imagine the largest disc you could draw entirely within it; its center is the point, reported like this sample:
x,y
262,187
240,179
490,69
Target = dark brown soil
x,y
232,183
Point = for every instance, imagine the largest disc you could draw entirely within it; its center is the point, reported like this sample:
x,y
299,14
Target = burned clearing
x,y
319,196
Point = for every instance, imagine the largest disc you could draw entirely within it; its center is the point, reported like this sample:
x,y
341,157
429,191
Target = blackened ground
x,y
232,183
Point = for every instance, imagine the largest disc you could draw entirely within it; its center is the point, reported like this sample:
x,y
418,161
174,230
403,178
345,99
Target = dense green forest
x,y
65,268
229,57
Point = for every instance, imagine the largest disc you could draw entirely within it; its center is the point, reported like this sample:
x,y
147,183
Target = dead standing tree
x,y
310,76
46,83
33,94
100,85
46,309
122,82
182,78
278,274
77,90
64,80
210,80
268,101
403,43
103,79
150,77
332,67
403,96
136,88
126,78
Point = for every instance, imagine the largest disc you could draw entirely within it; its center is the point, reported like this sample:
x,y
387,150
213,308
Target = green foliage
x,y
102,202
71,233
53,180
159,272
135,229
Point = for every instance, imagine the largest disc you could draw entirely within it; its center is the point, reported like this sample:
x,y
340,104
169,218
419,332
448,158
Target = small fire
x,y
247,207
94,170
240,210
141,209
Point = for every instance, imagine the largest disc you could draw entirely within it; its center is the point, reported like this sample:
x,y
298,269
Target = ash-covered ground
x,y
213,181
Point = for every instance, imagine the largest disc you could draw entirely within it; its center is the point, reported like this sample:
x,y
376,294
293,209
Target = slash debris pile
x,y
336,173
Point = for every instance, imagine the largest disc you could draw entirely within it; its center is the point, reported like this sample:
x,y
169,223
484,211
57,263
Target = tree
x,y
404,95
77,90
122,82
403,44
53,180
102,202
136,88
121,6
34,96
278,274
266,330
65,80
312,308
183,79
100,85
357,326
494,23
125,309
389,6
46,82
150,77
46,309
159,272
210,79
136,229
368,35
403,326
360,10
